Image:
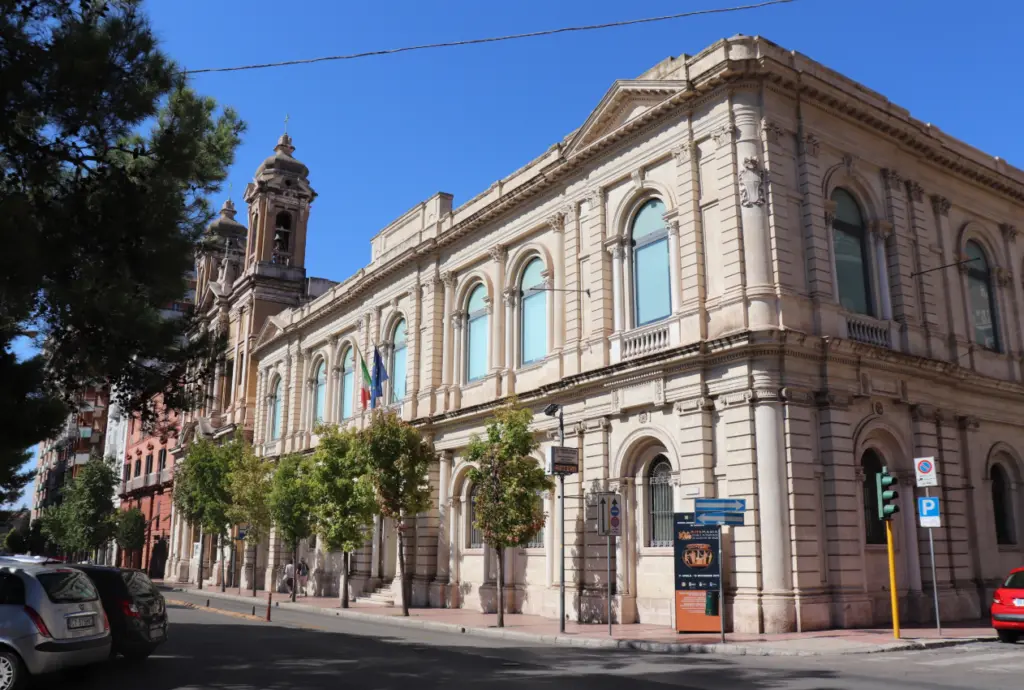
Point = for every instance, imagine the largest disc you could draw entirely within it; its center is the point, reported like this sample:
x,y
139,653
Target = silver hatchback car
x,y
51,618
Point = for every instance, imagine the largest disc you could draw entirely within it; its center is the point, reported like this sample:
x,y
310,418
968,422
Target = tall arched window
x,y
283,231
850,243
652,294
874,528
476,536
319,391
981,297
1002,505
348,382
661,506
533,314
399,360
476,334
276,408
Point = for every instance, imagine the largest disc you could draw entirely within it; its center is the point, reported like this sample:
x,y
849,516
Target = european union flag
x,y
377,378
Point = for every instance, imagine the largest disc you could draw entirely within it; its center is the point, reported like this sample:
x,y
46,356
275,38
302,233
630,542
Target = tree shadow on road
x,y
255,655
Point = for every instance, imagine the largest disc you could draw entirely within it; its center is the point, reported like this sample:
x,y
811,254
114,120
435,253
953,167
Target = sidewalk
x,y
640,637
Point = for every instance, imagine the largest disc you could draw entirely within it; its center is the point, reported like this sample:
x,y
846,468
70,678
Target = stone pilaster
x,y
899,251
817,231
691,241
576,300
927,256
598,269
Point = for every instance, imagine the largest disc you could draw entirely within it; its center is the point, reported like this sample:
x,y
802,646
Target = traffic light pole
x,y
894,595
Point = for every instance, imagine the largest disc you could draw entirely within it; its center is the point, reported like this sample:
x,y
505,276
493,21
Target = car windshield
x,y
139,584
67,586
1015,581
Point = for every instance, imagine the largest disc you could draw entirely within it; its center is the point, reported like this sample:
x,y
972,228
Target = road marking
x,y
236,614
964,659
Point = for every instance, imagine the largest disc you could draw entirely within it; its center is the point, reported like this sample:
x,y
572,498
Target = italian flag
x,y
366,385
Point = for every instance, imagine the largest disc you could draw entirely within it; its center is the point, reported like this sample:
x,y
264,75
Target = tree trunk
x,y
501,587
220,557
344,579
202,554
404,575
255,553
295,569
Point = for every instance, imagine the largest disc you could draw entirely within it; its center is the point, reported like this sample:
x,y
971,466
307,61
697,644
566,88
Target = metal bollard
x,y
207,603
254,611
270,596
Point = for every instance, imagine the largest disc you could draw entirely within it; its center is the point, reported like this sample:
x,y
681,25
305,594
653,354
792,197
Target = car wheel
x,y
1008,636
12,673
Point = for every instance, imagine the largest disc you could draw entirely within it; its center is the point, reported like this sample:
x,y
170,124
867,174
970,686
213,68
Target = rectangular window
x,y
138,468
477,341
348,388
163,459
984,324
398,375
653,294
852,272
149,463
535,327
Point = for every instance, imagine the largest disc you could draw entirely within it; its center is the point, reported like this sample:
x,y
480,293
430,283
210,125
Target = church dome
x,y
225,224
282,160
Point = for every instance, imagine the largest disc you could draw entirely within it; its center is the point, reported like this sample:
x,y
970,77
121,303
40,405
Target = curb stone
x,y
727,649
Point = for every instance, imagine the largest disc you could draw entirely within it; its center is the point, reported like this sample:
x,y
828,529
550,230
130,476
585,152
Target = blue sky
x,y
380,134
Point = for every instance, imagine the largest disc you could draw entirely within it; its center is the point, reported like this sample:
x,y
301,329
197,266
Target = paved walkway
x,y
654,638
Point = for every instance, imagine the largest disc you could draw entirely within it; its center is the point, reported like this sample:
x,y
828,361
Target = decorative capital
x,y
616,250
832,400
881,228
915,191
924,413
940,205
637,177
751,180
595,198
498,253
457,318
509,296
724,135
772,131
849,162
683,153
830,212
448,279
962,262
673,227
811,145
1009,231
1003,276
968,423
557,221
892,179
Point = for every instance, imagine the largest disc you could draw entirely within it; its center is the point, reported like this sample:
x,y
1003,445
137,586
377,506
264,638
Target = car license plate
x,y
79,622
1018,602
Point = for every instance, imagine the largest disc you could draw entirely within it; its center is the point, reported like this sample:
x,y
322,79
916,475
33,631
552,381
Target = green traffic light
x,y
885,495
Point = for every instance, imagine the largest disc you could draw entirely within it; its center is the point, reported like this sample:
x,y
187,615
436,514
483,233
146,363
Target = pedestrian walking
x,y
303,576
289,576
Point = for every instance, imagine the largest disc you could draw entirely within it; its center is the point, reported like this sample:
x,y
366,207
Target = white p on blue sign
x,y
928,511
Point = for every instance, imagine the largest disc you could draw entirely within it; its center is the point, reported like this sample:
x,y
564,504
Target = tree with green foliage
x,y
201,488
107,160
341,500
16,541
250,478
36,540
507,483
290,507
396,460
83,522
130,530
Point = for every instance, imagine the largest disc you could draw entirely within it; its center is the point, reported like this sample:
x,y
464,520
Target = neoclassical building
x,y
743,276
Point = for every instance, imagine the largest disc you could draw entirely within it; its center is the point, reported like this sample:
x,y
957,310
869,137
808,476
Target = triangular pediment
x,y
625,103
272,328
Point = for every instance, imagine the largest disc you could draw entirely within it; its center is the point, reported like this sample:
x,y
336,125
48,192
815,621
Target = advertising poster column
x,y
698,573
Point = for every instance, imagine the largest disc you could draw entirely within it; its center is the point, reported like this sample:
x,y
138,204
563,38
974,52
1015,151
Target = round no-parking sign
x,y
926,471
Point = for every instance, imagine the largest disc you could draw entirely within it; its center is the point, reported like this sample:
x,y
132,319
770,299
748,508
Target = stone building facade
x,y
757,279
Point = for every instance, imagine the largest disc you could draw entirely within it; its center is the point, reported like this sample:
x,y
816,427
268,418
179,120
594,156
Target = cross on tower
x,y
286,118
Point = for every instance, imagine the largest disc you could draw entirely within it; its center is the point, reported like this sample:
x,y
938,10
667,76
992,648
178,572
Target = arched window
x,y
476,334
399,360
660,506
476,536
874,528
1002,505
652,294
981,297
348,383
319,391
276,407
533,314
283,231
850,243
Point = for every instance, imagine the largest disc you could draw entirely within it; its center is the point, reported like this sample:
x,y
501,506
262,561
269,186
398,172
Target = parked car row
x,y
56,616
1008,608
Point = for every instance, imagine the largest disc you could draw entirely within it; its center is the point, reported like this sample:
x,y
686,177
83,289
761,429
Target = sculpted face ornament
x,y
751,180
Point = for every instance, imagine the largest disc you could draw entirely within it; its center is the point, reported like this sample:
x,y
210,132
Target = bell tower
x,y
279,198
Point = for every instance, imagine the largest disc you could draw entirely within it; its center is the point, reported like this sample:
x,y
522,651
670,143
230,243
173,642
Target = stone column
x,y
676,288
375,558
218,388
444,534
457,318
757,253
880,231
415,348
511,308
773,514
455,544
497,340
627,316
559,295
617,297
448,354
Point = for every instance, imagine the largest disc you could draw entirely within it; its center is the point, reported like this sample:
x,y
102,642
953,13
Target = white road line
x,y
955,659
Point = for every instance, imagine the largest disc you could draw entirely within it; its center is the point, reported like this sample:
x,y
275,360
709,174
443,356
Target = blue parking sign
x,y
928,511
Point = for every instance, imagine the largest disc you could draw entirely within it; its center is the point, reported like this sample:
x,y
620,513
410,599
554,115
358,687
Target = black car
x,y
134,606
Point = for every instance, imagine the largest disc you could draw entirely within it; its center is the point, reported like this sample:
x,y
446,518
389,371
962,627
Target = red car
x,y
1008,608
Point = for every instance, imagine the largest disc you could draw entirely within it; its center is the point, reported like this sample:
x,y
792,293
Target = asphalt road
x,y
221,648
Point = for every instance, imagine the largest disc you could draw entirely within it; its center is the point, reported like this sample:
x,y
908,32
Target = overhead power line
x,y
492,39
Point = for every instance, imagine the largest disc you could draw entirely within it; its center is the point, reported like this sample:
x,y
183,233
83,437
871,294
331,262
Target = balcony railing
x,y
868,331
645,341
166,475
